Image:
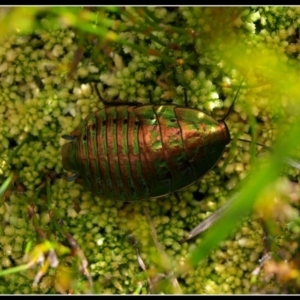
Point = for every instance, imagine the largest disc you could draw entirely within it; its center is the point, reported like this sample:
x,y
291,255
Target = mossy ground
x,y
48,72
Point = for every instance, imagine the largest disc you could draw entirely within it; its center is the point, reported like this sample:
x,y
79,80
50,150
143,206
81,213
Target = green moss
x,y
40,99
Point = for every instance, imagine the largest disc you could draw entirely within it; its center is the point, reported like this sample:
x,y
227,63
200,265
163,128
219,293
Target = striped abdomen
x,y
135,152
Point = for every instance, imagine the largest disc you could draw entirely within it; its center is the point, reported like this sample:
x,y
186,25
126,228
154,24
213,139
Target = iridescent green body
x,y
134,152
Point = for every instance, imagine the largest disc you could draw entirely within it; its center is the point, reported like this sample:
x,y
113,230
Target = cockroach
x,y
131,152
135,152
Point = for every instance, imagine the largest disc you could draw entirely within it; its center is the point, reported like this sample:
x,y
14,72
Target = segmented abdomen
x,y
134,152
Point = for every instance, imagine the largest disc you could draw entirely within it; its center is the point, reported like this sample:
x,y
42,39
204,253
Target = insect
x,y
131,152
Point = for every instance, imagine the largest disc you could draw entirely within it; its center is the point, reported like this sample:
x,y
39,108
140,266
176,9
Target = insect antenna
x,y
293,162
258,144
232,105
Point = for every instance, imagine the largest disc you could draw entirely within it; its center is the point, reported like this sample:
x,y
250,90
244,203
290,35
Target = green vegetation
x,y
51,59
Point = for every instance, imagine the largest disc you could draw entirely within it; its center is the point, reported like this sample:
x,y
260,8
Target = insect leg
x,y
39,82
77,251
177,196
108,104
72,177
169,272
150,97
97,92
185,98
133,241
266,254
68,137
